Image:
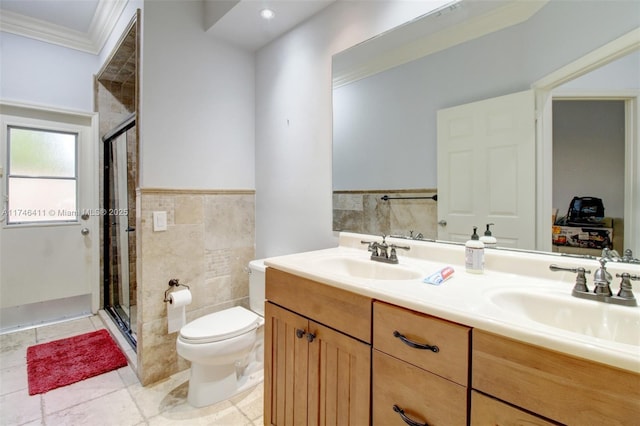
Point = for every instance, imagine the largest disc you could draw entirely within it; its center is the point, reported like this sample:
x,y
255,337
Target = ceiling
x,y
86,24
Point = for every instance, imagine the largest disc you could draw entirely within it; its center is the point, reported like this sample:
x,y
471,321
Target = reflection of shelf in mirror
x,y
387,198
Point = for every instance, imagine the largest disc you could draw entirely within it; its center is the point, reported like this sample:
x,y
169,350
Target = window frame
x,y
49,128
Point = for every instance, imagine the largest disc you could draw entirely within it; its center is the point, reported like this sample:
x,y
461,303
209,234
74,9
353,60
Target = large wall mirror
x,y
399,167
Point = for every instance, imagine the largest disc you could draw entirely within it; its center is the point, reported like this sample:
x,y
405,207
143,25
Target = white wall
x,y
588,153
39,73
197,104
294,122
35,72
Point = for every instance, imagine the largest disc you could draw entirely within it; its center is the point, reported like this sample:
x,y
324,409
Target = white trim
x,y
12,108
104,20
611,51
632,175
502,17
94,200
608,53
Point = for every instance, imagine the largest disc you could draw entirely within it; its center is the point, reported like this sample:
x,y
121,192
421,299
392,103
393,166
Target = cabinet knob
x,y
406,419
310,337
415,345
300,333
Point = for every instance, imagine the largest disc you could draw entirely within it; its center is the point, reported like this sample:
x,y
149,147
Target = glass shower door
x,y
119,230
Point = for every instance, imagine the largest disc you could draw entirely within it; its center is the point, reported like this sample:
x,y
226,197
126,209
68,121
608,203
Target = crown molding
x,y
103,22
615,49
505,16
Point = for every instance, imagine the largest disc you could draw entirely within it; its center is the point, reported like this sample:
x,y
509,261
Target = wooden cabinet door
x,y
403,391
490,411
339,378
286,366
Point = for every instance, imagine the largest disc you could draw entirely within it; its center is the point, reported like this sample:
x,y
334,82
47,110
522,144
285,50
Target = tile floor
x,y
114,398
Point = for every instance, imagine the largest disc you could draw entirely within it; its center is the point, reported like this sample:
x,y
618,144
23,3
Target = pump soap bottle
x,y
488,239
474,254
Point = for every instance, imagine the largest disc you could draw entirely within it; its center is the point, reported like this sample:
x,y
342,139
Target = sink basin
x,y
368,269
551,308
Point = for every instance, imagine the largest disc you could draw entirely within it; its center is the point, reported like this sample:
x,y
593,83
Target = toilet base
x,y
209,384
221,385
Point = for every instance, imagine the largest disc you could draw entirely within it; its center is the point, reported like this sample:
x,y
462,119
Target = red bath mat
x,y
66,361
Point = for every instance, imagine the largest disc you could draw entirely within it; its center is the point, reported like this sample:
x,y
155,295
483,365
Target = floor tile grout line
x,y
75,405
129,388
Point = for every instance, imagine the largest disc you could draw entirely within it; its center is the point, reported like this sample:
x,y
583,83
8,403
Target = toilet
x,y
226,347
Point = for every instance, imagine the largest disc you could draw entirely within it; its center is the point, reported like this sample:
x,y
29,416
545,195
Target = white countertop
x,y
469,299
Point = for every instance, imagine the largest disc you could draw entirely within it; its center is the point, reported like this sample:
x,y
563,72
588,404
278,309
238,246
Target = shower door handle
x,y
84,231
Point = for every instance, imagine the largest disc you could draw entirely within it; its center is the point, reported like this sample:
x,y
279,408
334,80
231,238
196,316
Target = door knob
x,y
84,231
442,222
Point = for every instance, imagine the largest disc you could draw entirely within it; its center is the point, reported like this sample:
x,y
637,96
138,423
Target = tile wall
x,y
208,244
365,212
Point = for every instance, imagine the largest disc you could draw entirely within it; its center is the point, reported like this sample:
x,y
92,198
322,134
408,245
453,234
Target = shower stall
x,y
119,222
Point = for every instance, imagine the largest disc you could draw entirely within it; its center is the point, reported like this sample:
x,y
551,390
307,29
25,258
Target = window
x,y
42,176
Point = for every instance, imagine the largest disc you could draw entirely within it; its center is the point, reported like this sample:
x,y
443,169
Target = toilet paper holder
x,y
173,282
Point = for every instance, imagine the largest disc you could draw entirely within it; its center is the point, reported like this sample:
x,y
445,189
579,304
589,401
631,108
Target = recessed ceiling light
x,y
267,14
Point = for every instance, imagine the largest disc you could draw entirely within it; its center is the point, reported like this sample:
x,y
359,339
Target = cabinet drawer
x,y
452,359
489,411
569,390
424,397
340,309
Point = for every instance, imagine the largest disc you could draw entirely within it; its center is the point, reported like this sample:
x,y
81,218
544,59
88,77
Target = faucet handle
x,y
581,278
626,291
393,256
373,246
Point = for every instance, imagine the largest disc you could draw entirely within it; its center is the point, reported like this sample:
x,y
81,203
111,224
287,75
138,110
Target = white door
x,y
486,170
48,235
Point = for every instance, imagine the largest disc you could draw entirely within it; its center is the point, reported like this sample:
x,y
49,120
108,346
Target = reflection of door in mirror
x,y
486,169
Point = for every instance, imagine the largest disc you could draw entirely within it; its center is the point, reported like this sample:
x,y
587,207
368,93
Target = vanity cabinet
x,y
420,368
317,353
337,357
558,387
490,411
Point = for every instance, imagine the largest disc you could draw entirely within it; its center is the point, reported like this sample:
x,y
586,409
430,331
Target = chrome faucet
x,y
380,251
614,256
602,281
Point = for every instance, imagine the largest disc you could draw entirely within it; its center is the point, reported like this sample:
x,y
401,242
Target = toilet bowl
x,y
225,347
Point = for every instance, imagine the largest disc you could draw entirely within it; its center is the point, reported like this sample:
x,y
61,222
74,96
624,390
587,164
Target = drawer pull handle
x,y
415,345
406,419
300,333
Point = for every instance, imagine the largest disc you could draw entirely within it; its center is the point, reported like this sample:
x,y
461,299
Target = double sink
x,y
521,306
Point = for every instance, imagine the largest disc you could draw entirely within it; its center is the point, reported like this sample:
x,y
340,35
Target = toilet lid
x,y
221,325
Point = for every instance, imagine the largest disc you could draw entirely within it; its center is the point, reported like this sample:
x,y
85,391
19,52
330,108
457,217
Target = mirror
x,y
387,93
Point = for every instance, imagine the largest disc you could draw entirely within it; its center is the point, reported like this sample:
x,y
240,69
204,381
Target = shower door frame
x,y
108,139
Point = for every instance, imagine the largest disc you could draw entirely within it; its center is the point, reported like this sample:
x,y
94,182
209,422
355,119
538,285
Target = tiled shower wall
x,y
208,244
366,212
114,102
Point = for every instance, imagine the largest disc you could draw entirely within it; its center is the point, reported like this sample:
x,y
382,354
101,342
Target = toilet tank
x,y
256,286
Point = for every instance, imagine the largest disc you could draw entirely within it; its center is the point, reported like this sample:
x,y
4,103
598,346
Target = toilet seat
x,y
220,325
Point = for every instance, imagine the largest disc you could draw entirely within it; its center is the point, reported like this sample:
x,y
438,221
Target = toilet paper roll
x,y
176,316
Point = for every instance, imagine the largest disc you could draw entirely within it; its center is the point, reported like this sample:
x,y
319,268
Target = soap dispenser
x,y
488,239
474,254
